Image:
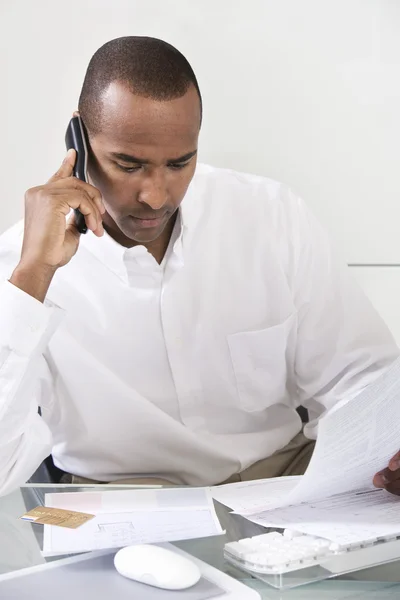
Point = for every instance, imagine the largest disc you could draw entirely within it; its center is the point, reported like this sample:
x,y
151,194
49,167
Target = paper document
x,y
346,519
251,496
355,441
132,517
118,501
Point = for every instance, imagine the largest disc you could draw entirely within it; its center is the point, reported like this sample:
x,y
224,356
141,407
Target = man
x,y
200,311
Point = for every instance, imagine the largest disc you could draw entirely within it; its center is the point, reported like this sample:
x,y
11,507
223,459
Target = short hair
x,y
149,67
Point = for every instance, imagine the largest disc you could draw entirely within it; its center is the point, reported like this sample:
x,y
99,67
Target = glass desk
x,y
21,542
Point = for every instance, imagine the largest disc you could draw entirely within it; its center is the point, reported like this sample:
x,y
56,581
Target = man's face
x,y
143,159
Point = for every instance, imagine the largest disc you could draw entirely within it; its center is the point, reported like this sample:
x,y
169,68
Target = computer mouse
x,y
157,566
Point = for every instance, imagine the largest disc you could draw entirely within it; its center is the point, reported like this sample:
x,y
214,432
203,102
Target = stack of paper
x,y
250,497
336,498
132,517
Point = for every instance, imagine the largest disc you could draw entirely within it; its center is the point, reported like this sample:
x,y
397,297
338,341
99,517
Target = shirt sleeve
x,y
342,342
26,326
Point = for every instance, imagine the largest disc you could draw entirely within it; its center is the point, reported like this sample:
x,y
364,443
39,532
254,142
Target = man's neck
x,y
157,248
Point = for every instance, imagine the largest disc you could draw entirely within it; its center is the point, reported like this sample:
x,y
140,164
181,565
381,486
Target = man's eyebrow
x,y
142,161
183,158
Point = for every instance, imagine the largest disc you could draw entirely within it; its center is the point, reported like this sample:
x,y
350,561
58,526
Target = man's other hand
x,y
389,478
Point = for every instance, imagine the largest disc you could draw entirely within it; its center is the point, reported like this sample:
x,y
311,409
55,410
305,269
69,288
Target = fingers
x,y
389,480
394,463
380,479
92,192
72,230
88,208
74,193
79,198
82,195
67,167
389,475
66,171
60,184
393,488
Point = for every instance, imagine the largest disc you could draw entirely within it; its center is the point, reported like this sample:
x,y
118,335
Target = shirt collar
x,y
115,257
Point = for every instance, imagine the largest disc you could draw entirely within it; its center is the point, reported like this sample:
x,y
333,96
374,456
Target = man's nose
x,y
154,191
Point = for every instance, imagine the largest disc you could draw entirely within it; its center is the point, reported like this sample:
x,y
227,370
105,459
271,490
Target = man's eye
x,y
177,166
128,169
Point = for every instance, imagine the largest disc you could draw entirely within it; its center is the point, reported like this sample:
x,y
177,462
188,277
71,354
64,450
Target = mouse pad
x,y
95,578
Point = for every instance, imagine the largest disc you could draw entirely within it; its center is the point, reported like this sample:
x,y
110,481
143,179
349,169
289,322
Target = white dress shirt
x,y
190,370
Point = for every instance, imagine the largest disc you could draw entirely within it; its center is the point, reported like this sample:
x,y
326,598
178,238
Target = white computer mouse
x,y
157,566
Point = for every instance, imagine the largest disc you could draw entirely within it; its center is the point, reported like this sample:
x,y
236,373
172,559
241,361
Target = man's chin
x,y
143,235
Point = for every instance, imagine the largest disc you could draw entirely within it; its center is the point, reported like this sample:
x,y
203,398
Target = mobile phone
x,y
75,137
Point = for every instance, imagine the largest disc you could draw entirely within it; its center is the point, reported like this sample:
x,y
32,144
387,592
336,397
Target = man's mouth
x,y
148,221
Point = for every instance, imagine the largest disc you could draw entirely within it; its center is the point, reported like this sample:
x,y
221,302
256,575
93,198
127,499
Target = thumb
x,y
67,166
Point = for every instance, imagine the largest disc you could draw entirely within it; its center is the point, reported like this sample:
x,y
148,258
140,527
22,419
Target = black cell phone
x,y
75,137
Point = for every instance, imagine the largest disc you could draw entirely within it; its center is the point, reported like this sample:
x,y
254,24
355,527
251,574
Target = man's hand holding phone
x,y
50,240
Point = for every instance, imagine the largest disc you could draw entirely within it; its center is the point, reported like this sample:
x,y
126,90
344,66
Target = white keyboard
x,y
276,553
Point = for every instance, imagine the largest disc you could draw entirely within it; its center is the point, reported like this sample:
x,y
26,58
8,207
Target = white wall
x,y
305,91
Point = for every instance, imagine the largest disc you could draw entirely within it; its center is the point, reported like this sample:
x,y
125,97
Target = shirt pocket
x,y
260,361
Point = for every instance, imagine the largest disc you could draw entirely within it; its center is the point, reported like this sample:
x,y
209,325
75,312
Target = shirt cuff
x,y
25,323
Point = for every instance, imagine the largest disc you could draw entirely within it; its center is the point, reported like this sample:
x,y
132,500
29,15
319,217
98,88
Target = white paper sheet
x,y
132,517
346,519
254,495
354,441
119,501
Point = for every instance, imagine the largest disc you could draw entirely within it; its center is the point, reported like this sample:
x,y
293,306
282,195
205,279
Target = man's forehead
x,y
125,113
144,144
